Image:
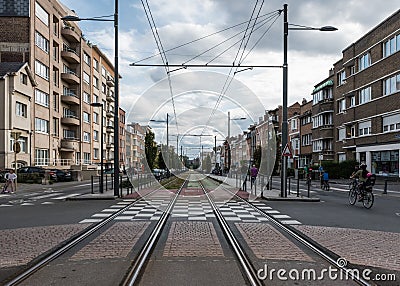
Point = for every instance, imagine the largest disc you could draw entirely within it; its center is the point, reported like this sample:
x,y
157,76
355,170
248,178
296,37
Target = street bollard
x,y
106,183
298,186
308,187
385,188
120,186
289,186
91,183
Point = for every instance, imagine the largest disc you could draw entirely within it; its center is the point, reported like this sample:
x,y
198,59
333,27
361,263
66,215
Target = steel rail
x,y
140,261
237,249
74,241
302,240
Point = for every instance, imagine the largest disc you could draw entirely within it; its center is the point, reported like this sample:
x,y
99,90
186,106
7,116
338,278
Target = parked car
x,y
60,175
159,174
32,170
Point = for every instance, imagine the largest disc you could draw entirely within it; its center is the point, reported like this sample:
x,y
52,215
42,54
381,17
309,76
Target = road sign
x,y
287,152
17,147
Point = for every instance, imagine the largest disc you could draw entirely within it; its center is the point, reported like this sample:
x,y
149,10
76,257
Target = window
x,y
41,14
24,79
95,153
86,117
391,46
353,131
55,76
96,82
306,119
342,105
96,64
306,140
293,124
23,143
352,70
86,97
322,120
342,77
364,128
86,58
86,158
42,42
342,157
86,77
55,51
41,125
95,98
103,71
95,135
341,134
392,85
95,117
364,61
55,126
391,123
365,95
69,134
86,137
41,70
56,104
41,98
103,88
353,101
42,157
317,145
21,109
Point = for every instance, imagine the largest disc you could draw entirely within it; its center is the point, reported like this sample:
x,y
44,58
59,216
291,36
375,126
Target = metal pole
x,y
116,112
91,184
285,98
298,185
385,188
102,150
167,145
289,185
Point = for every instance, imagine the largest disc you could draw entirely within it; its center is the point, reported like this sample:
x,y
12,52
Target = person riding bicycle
x,y
361,174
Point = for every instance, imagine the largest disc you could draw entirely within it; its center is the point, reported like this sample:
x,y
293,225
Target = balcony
x,y
110,81
326,131
68,144
70,98
70,77
110,113
70,119
110,129
69,33
70,56
110,145
110,98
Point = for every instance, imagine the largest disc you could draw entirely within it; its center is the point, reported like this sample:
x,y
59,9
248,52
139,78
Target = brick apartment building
x,y
69,74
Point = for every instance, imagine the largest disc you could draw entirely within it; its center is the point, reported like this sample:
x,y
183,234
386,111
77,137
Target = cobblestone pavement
x,y
19,246
258,236
363,247
116,242
194,239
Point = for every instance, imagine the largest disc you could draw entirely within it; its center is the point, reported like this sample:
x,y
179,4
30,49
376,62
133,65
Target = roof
x,y
9,67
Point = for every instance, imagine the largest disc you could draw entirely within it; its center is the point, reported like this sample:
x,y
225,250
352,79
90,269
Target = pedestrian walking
x,y
11,179
253,175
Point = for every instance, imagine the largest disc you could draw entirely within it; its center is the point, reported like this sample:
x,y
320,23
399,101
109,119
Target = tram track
x,y
332,258
70,243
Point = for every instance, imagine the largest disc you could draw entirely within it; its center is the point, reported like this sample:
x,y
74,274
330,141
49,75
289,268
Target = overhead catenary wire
x,y
160,47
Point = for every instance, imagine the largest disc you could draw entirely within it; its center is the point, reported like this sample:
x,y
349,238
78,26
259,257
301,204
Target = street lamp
x,y
229,136
285,86
116,89
98,104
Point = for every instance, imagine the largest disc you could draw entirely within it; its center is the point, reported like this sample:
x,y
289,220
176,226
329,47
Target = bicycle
x,y
365,194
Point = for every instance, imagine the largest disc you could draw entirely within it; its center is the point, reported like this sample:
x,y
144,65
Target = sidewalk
x,y
269,195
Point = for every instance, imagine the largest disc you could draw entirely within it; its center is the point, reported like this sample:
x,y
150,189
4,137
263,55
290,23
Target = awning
x,y
325,84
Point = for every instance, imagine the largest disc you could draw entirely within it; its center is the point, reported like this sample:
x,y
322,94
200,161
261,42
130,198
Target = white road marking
x,y
64,197
90,220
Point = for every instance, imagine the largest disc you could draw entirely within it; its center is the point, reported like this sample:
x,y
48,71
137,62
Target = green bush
x,y
29,178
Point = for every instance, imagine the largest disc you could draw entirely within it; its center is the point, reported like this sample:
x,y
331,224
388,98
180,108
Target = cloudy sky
x,y
198,99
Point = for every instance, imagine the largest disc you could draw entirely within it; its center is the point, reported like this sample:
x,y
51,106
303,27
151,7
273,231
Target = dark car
x,y
32,170
60,175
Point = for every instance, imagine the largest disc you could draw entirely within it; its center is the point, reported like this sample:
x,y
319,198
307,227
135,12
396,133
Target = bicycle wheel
x,y
352,196
368,200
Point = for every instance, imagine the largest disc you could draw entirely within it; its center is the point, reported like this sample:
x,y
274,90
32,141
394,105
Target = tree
x,y
160,160
257,156
150,149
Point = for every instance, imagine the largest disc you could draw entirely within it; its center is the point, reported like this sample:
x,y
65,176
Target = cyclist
x,y
361,174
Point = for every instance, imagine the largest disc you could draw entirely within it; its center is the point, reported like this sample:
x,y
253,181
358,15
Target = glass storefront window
x,y
385,163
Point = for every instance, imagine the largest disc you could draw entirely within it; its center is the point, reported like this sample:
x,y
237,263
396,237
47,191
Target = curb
x,y
291,199
86,197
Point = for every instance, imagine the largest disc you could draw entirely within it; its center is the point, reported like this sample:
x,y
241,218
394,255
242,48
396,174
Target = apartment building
x,y
135,146
322,121
16,89
70,75
367,105
305,156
